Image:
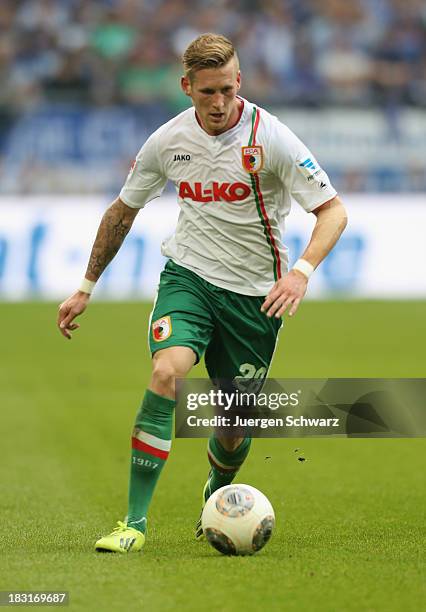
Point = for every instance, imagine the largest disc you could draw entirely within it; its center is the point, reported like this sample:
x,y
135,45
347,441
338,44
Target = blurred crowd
x,y
83,82
311,52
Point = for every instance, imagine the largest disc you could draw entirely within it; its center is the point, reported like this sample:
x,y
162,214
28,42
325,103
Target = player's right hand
x,y
69,310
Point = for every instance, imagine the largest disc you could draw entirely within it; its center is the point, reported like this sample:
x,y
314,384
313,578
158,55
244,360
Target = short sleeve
x,y
298,170
146,179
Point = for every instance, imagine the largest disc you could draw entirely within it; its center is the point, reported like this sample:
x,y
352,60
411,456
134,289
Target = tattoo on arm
x,y
112,231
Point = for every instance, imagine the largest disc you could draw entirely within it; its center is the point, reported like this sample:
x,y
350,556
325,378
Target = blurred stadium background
x,y
84,83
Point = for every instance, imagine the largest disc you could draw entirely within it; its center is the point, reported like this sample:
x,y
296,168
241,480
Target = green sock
x,y
224,464
151,442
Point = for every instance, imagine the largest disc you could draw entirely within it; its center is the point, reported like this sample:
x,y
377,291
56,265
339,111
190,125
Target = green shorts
x,y
236,338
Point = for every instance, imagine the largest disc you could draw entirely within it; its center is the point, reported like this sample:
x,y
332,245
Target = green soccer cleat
x,y
199,535
123,539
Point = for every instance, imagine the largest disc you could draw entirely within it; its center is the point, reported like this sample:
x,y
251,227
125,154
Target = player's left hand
x,y
286,293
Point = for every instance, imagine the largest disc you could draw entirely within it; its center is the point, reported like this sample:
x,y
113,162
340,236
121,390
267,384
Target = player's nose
x,y
218,102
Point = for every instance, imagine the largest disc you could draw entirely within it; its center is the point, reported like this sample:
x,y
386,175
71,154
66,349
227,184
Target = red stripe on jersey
x,y
147,448
256,125
261,205
268,225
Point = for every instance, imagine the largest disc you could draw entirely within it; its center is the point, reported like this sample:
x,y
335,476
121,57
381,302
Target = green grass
x,y
350,520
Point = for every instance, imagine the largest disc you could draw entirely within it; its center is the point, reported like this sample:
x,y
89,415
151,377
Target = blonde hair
x,y
208,51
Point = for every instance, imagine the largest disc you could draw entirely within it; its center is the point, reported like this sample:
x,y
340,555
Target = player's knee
x,y
164,374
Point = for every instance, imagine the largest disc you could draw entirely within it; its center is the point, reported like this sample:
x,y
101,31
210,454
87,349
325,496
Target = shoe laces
x,y
120,527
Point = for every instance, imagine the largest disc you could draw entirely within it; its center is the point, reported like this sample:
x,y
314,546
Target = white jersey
x,y
234,194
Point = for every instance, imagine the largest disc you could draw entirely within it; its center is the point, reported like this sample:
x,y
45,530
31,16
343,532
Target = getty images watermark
x,y
301,407
229,402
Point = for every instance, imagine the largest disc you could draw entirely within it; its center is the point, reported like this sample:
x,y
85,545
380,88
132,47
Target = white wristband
x,y
304,267
87,286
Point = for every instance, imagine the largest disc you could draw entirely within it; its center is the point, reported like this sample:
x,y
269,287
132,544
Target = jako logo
x,y
220,192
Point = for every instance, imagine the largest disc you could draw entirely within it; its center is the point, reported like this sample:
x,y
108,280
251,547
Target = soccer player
x,y
226,284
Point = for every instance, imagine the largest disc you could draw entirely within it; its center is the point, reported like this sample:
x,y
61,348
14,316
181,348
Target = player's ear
x,y
185,84
238,80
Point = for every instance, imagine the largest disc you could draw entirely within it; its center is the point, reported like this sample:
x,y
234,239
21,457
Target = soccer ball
x,y
238,520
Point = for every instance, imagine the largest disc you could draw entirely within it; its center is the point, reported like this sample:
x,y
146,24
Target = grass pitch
x,y
350,519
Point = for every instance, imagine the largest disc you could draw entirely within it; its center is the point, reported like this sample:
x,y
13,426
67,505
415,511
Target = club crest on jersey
x,y
162,329
252,159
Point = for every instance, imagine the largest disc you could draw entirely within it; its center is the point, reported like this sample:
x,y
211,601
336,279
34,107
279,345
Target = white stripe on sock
x,y
164,445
